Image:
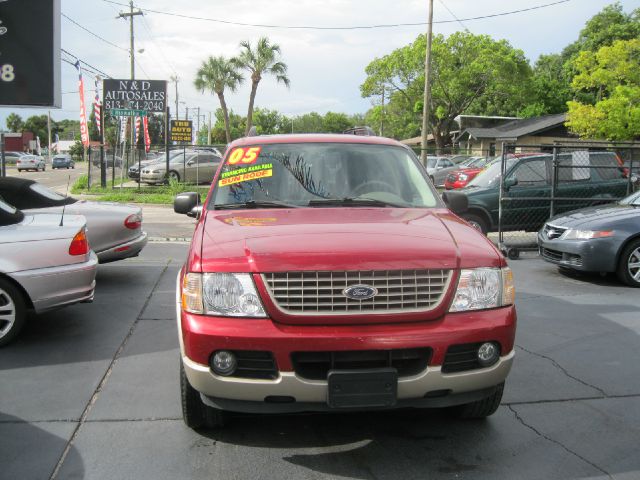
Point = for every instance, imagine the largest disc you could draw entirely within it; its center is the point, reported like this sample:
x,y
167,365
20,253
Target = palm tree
x,y
217,74
264,59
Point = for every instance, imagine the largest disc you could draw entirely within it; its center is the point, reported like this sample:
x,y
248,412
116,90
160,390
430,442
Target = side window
x,y
532,172
205,158
446,163
573,167
610,170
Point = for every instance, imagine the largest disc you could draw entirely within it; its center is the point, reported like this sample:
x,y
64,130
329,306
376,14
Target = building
x,y
486,140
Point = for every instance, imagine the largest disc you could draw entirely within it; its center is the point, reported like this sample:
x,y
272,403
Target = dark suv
x,y
588,177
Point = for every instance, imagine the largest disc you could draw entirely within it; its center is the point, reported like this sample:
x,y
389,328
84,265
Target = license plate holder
x,y
370,388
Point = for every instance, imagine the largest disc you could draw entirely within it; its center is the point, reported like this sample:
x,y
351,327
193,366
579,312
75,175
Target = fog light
x,y
224,363
488,354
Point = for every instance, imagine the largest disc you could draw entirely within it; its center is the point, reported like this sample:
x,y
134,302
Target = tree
x,y
37,124
550,87
14,122
269,122
612,74
308,123
336,122
471,74
262,60
77,151
217,74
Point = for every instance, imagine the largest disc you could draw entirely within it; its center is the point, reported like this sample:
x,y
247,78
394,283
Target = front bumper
x,y
55,287
200,336
152,177
125,250
595,255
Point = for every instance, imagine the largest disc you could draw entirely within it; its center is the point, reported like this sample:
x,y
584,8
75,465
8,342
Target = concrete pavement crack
x,y
560,444
105,377
564,370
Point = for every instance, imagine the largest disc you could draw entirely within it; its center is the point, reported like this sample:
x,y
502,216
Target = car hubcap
x,y
7,313
633,264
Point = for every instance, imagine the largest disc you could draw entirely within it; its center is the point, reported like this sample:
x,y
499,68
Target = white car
x,y
45,263
31,162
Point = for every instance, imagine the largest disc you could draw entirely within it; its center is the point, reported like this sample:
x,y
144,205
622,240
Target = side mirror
x,y
190,162
510,182
457,202
185,202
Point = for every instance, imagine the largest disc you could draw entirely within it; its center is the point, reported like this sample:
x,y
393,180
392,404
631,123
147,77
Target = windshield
x,y
490,175
318,173
431,162
633,199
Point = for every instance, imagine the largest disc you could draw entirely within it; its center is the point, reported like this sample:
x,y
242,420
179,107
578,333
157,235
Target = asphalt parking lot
x,y
91,391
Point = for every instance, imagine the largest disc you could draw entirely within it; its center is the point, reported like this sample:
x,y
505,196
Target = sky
x,y
326,67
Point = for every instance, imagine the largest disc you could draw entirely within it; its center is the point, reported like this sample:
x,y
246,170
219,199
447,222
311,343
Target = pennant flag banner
x,y
97,106
147,138
84,130
123,129
137,131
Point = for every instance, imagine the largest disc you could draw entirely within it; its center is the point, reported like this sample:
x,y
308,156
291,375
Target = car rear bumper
x,y
125,250
55,287
595,255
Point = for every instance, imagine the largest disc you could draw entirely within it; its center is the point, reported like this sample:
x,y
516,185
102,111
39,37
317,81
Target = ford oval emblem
x,y
360,292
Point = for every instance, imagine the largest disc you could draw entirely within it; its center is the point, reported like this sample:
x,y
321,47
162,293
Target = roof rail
x,y
365,131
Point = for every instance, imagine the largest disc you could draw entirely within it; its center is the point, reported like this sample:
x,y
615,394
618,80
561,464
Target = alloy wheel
x,y
7,313
633,264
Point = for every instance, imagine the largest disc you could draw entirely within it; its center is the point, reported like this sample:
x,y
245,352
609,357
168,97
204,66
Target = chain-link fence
x,y
131,167
514,197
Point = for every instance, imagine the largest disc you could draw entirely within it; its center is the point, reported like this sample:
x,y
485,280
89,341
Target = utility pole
x,y
175,79
186,113
49,136
131,14
209,133
198,128
427,87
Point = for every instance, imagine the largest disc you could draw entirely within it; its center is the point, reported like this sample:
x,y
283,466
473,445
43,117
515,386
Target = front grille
x,y
552,232
460,358
309,293
316,365
563,257
255,364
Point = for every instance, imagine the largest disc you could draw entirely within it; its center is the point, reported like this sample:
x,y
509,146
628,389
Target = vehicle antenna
x,y
66,194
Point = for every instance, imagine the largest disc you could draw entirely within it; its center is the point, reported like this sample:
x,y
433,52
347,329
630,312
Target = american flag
x,y
96,108
137,132
147,138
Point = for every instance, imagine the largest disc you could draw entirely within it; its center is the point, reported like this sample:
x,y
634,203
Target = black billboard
x,y
181,131
30,53
147,95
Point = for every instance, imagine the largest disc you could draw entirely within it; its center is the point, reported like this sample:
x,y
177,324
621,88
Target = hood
x,y
322,239
591,218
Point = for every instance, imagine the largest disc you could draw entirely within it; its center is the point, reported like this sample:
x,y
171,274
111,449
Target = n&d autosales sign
x,y
148,95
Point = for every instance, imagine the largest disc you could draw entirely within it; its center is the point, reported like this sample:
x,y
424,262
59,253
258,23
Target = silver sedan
x,y
192,167
57,269
114,230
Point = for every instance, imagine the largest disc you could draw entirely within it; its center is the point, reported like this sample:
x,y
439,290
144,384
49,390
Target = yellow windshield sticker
x,y
245,174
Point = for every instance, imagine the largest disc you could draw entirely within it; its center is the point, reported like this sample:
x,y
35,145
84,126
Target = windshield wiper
x,y
255,204
354,202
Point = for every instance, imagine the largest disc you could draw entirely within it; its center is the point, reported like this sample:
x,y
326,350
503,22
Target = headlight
x,y
483,288
463,177
572,234
224,294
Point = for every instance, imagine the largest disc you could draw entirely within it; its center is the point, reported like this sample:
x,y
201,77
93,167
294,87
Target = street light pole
x,y
427,88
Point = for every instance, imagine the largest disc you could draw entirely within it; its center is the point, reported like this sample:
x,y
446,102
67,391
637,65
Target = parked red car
x,y
326,274
460,178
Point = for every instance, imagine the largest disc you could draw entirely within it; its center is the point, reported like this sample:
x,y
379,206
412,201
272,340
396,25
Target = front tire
x,y
477,222
480,408
173,175
195,413
629,264
13,312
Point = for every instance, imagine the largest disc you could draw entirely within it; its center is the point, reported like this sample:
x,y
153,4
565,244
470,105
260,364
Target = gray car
x,y
58,268
62,161
436,167
114,230
604,238
31,162
190,166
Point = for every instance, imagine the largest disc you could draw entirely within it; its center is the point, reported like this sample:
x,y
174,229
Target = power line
x,y
96,70
92,33
153,39
356,27
454,16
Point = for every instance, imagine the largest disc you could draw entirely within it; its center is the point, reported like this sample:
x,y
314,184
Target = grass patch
x,y
163,194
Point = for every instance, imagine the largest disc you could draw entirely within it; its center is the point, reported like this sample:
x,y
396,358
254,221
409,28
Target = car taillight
x,y
133,221
79,244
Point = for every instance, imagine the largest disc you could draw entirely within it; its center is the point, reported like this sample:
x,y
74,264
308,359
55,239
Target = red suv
x,y
325,274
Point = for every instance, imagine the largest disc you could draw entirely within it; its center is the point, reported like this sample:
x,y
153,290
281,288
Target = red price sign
x,y
244,156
